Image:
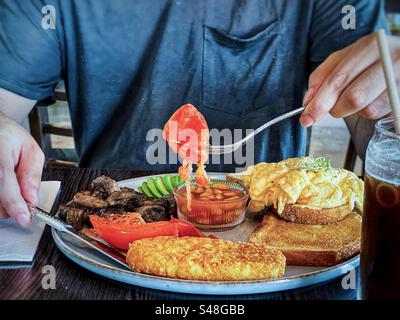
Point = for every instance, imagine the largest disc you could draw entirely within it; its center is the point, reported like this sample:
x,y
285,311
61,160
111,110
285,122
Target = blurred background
x,y
49,122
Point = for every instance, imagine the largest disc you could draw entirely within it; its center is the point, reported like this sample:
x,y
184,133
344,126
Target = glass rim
x,y
382,127
240,188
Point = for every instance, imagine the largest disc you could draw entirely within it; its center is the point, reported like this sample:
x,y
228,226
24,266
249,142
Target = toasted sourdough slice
x,y
301,214
311,245
195,258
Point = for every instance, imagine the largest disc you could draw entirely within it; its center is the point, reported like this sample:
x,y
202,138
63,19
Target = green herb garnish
x,y
319,163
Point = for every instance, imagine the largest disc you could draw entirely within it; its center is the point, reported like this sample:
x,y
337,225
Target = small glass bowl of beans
x,y
219,205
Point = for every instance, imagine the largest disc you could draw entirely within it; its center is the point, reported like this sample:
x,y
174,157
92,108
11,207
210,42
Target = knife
x,y
95,243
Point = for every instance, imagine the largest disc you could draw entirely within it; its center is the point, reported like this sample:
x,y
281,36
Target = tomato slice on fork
x,y
187,134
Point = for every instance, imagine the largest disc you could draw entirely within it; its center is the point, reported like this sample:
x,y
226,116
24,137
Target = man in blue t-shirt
x,y
128,65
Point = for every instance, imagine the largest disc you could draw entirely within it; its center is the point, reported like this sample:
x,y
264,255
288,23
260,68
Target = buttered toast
x,y
311,245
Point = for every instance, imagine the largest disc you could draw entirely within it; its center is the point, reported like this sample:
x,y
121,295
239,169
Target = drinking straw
x,y
389,78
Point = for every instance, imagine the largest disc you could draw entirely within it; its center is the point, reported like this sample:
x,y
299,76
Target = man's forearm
x,y
15,106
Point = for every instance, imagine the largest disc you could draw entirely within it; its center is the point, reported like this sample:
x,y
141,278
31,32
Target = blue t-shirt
x,y
128,65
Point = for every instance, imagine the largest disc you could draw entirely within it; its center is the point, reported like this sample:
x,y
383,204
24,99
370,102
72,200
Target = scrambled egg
x,y
298,181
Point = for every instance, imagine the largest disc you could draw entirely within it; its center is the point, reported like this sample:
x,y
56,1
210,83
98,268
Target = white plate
x,y
295,277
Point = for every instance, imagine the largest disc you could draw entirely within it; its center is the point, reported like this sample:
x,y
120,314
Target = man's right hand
x,y
21,165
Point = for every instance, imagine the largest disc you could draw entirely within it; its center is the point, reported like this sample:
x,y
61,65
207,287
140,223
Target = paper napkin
x,y
18,245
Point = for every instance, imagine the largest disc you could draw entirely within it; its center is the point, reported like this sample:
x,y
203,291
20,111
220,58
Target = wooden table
x,y
74,282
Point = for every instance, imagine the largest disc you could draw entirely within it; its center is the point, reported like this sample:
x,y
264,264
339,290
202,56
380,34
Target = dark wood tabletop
x,y
75,282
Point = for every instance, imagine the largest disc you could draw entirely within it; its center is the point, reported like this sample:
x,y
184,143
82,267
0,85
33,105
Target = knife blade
x,y
95,243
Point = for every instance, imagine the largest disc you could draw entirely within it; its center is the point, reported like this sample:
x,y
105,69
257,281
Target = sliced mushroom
x,y
103,186
76,217
125,197
152,213
87,200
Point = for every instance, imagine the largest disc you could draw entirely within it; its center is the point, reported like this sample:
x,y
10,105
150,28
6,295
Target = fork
x,y
228,148
95,243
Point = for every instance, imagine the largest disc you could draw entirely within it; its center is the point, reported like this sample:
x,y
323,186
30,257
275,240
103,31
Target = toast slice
x,y
311,245
301,214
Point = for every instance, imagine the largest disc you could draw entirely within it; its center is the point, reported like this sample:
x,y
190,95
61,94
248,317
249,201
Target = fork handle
x,y
272,122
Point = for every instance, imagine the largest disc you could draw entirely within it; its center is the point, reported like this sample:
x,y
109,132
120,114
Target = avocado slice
x,y
151,183
140,189
146,190
168,184
175,181
180,180
160,186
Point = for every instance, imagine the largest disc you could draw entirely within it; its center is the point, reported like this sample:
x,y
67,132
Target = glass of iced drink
x,y
380,244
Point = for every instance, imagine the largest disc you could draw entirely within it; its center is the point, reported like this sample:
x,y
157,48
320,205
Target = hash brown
x,y
208,259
